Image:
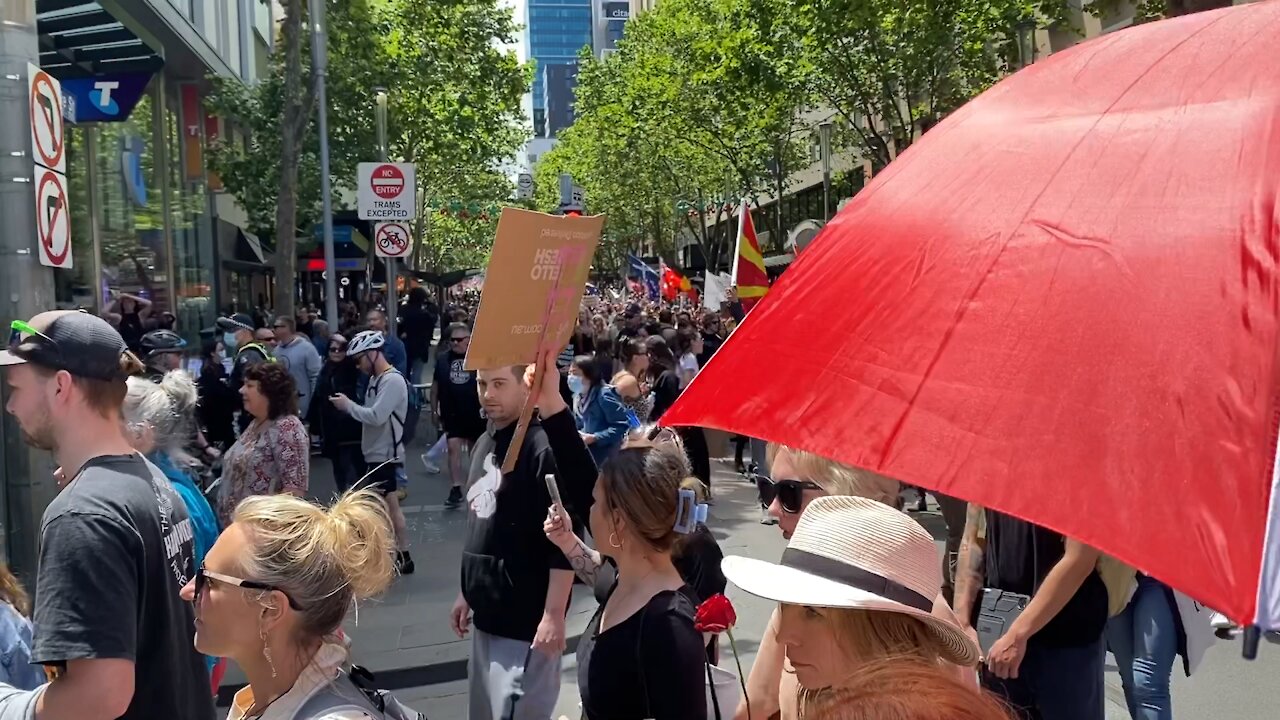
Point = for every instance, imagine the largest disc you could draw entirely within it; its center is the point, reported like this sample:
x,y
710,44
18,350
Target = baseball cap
x,y
239,321
82,344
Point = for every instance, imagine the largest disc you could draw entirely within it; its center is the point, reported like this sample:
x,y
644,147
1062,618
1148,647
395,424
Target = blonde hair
x,y
167,407
868,636
906,688
838,479
323,559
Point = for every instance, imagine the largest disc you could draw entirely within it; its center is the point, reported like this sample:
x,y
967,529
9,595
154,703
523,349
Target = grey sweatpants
x,y
510,680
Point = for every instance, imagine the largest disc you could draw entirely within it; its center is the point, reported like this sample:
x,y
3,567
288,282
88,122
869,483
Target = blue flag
x,y
638,269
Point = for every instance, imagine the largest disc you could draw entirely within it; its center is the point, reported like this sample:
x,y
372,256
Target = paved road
x,y
405,639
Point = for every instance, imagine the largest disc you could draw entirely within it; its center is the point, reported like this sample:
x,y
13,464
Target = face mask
x,y
229,341
575,384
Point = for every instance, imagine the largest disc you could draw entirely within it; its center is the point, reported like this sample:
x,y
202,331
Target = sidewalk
x,y
404,638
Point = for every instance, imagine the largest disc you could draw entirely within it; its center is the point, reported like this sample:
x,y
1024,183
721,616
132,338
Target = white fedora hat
x,y
851,552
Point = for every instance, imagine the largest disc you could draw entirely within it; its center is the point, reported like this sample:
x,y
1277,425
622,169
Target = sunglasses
x,y
20,332
337,348
459,339
790,493
203,577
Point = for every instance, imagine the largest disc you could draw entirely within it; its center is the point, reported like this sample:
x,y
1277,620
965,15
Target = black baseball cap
x,y
239,321
82,344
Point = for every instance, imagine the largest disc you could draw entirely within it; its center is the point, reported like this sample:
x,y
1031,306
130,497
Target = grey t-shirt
x,y
116,547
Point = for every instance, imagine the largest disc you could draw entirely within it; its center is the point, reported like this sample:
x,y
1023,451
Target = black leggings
x,y
695,447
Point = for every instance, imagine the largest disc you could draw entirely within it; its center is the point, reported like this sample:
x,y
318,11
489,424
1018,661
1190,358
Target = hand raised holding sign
x,y
546,395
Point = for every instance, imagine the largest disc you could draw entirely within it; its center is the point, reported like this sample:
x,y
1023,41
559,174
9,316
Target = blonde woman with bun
x,y
274,590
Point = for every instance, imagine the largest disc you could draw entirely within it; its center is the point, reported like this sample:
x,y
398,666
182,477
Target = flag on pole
x,y
636,268
748,263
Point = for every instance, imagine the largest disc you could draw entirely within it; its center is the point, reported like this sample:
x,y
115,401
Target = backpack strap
x,y
339,695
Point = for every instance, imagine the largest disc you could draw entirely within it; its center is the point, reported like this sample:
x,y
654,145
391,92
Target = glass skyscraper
x,y
557,30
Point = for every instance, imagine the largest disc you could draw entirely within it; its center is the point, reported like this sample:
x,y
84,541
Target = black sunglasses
x,y
790,493
337,348
459,339
204,576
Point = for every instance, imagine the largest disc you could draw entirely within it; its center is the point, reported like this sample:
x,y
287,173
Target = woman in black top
x,y
664,382
640,656
339,432
664,379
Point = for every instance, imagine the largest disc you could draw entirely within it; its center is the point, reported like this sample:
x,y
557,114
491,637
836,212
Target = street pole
x,y
391,266
319,63
26,286
824,138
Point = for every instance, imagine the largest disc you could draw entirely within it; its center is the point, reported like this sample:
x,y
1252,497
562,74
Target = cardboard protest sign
x,y
532,293
533,286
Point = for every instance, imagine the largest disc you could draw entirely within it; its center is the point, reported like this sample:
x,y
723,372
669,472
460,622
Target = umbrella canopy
x,y
1061,303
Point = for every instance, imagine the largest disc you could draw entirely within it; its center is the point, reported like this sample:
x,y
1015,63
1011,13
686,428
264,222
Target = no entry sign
x,y
48,136
53,219
391,239
386,191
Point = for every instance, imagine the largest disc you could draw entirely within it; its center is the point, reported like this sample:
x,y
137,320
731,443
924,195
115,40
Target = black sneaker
x,y
454,500
404,563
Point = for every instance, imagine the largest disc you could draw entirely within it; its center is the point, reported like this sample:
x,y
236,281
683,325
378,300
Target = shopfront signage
x,y
617,11
386,191
392,239
53,219
104,98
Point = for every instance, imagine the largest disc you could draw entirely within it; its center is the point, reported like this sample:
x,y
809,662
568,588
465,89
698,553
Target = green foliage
x,y
704,97
454,109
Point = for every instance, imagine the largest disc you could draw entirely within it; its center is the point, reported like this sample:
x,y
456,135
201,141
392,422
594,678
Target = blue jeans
x,y
1055,683
1144,640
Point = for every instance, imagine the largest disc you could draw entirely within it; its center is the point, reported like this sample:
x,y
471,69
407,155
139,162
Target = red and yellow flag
x,y
748,266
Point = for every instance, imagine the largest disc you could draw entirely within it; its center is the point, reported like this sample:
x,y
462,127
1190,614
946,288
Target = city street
x,y
406,641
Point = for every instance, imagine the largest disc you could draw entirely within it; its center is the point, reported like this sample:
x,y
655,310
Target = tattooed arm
x,y
584,561
971,566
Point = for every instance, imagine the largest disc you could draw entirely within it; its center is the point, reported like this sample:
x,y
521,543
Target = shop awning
x,y
83,39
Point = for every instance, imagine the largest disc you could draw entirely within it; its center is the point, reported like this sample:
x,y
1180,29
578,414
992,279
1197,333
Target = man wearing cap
x,y
116,543
237,336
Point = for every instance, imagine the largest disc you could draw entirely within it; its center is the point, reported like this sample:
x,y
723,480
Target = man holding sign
x,y
515,582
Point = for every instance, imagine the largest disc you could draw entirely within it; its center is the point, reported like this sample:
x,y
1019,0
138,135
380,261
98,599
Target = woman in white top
x,y
688,348
272,595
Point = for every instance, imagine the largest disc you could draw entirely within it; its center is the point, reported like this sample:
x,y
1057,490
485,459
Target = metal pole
x,y
319,63
26,286
391,266
824,138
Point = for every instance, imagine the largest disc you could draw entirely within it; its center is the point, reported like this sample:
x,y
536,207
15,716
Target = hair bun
x,y
363,542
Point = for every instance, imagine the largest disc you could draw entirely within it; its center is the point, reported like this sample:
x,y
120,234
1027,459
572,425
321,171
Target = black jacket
x,y
336,428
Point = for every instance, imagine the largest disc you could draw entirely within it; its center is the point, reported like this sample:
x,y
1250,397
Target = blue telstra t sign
x,y
104,98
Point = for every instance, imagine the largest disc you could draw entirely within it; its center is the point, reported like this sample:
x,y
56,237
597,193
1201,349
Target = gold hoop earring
x,y
613,540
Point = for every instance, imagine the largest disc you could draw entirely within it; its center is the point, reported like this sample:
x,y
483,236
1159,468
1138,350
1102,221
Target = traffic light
x,y
569,211
570,197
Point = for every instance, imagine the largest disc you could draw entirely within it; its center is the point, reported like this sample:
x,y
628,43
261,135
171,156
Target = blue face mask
x,y
229,341
575,384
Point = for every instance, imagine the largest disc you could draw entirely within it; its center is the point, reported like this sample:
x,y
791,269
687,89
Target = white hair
x,y
167,408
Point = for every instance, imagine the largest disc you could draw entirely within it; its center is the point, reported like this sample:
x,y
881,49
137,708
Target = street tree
x,y
454,109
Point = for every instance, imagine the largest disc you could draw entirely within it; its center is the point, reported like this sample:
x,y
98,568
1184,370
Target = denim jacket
x,y
15,651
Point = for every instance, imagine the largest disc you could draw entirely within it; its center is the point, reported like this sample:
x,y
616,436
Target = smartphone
x,y
554,490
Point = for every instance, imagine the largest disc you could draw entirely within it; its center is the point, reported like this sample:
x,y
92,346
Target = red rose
x,y
715,615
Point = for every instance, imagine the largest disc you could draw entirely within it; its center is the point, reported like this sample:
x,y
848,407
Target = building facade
x,y
556,31
142,202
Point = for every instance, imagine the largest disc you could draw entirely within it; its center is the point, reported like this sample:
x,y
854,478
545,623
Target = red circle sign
x,y
392,239
387,181
51,204
46,120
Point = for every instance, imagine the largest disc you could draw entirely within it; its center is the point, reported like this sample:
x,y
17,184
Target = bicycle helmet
x,y
364,342
159,342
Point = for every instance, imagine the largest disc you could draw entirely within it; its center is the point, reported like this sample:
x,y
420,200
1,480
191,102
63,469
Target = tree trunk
x,y
293,123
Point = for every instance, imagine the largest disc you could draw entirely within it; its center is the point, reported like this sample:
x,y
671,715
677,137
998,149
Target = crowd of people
x,y
183,514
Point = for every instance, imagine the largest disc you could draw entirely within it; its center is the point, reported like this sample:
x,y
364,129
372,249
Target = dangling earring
x,y
266,653
613,540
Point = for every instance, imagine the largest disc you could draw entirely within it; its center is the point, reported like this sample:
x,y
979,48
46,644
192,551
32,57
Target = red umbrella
x,y
1061,303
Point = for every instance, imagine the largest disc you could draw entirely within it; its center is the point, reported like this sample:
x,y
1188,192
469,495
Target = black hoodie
x,y
507,560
